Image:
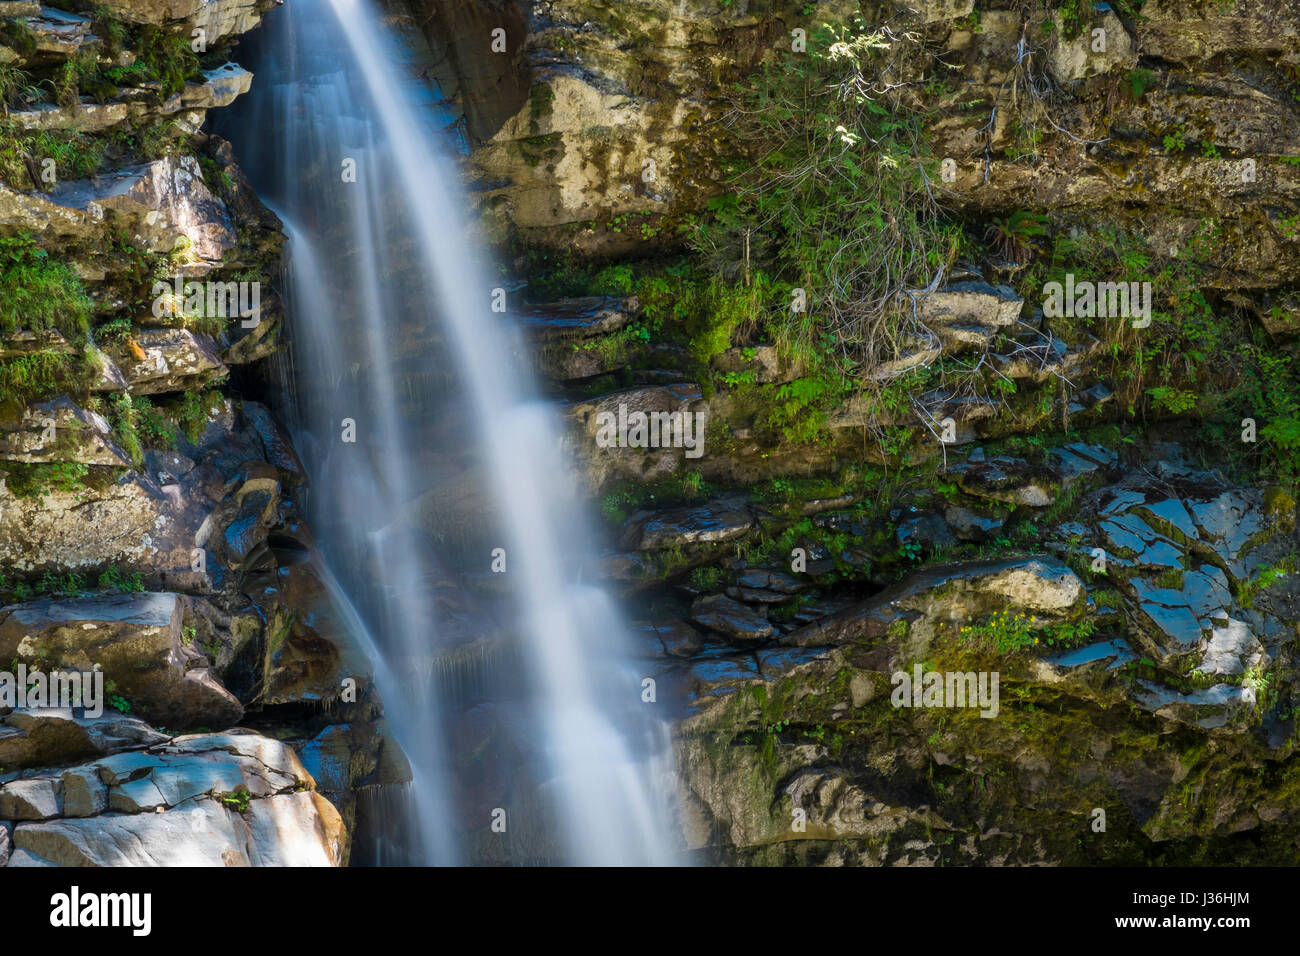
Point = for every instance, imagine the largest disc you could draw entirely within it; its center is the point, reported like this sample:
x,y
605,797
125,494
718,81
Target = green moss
x,y
40,292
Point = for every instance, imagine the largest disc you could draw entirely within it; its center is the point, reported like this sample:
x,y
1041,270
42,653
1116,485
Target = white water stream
x,y
388,301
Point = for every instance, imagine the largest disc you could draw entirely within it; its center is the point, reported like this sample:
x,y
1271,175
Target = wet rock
x,y
735,621
1074,461
1209,709
1173,513
1234,524
718,673
1128,533
770,579
1010,480
969,526
1113,654
1177,630
309,651
578,318
348,757
716,522
929,531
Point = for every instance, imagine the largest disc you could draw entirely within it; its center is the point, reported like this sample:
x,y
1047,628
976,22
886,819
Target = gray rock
x,y
1231,649
1172,511
136,796
715,522
136,639
928,530
84,794
732,619
35,798
50,735
970,526
292,829
1209,709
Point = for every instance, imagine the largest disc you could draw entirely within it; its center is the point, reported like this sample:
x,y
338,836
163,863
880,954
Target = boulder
x,y
137,640
167,360
38,737
735,621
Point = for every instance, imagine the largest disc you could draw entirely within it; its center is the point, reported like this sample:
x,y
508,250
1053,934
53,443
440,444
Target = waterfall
x,y
430,459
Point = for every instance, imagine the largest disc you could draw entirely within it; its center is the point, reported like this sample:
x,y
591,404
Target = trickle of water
x,y
388,303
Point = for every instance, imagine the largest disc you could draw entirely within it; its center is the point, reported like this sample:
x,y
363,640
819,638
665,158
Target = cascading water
x,y
395,346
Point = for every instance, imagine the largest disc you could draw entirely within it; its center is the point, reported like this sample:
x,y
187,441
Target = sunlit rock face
x,y
592,112
236,799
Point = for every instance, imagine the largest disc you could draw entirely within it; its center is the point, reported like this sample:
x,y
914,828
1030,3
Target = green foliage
x,y
835,200
1269,575
38,292
38,480
38,376
1138,81
705,579
1007,635
139,425
1173,400
194,409
800,411
168,57
52,584
1016,237
114,578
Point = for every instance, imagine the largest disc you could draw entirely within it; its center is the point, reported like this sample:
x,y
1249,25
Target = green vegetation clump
x,y
38,376
1006,635
38,292
138,425
38,480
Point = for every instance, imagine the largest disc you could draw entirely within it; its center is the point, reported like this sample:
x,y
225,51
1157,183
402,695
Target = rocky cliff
x,y
149,512
930,467
844,240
